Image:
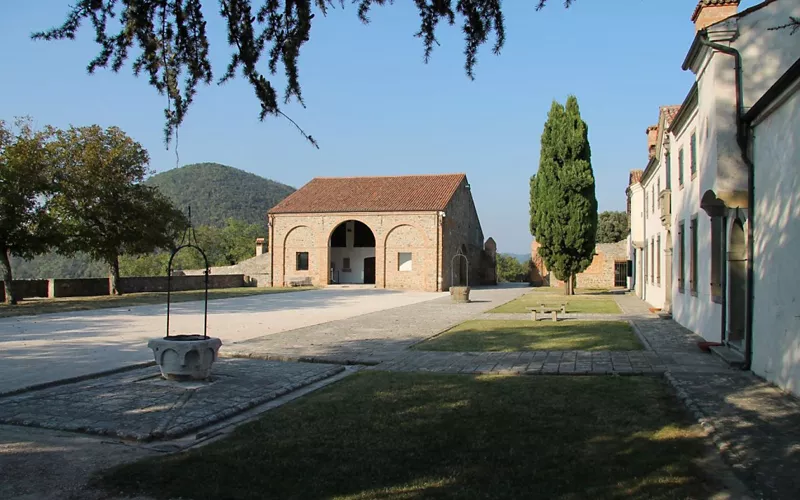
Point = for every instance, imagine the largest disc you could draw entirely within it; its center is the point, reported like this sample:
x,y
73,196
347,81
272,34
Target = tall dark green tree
x,y
101,204
25,225
172,44
563,206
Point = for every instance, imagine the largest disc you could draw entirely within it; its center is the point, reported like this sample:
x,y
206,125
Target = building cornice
x,y
649,169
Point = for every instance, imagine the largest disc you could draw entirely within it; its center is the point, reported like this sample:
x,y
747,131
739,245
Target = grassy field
x,y
581,303
379,435
44,306
544,335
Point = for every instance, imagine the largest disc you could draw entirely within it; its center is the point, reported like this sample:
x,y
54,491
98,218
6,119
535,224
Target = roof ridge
x,y
388,176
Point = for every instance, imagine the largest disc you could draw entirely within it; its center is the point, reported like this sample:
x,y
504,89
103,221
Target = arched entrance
x,y
737,285
351,253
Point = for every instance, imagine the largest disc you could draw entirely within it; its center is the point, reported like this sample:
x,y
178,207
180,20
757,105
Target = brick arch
x,y
300,238
405,238
342,220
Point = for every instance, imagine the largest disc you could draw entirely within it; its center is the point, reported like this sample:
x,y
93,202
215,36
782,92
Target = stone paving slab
x,y
372,338
139,405
755,426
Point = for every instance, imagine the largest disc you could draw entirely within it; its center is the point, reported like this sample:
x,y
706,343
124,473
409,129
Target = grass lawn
x,y
575,304
44,306
543,335
380,435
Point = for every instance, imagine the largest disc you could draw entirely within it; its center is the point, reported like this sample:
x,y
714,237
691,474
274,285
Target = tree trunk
x,y
567,285
5,275
113,277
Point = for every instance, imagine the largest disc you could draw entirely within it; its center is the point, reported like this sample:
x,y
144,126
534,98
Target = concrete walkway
x,y
50,347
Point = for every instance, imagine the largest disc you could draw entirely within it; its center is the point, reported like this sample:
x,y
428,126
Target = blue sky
x,y
376,109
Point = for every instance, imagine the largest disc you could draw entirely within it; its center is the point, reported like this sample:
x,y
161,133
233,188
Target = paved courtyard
x,y
139,405
50,347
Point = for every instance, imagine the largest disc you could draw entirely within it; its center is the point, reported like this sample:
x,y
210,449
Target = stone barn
x,y
401,232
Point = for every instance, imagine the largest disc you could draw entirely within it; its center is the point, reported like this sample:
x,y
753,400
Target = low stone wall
x,y
25,289
256,270
179,283
78,287
91,287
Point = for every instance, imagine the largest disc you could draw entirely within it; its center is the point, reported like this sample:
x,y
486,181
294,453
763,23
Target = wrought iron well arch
x,y
453,267
186,242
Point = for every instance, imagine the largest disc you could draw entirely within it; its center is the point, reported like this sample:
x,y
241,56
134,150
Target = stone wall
x,y
25,289
179,283
417,232
78,287
255,270
599,274
92,287
461,230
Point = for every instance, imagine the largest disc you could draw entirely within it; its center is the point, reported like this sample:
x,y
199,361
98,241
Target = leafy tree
x,y
223,247
170,38
25,226
612,227
510,269
101,203
563,206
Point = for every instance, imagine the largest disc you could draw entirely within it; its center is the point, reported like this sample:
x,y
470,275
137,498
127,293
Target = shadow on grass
x,y
574,304
544,335
391,435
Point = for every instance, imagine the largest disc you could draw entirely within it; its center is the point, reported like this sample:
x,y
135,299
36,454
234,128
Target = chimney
x,y
652,137
709,12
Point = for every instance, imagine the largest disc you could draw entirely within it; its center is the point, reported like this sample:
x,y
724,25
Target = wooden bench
x,y
548,309
304,281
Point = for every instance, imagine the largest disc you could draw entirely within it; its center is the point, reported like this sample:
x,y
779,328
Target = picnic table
x,y
552,309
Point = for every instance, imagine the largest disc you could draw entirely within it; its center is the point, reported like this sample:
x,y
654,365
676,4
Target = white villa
x,y
715,215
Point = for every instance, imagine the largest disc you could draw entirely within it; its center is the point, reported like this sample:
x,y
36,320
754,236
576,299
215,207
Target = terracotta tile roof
x,y
635,176
709,3
670,112
405,193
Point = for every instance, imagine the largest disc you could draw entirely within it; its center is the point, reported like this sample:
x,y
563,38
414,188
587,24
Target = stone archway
x,y
351,254
737,285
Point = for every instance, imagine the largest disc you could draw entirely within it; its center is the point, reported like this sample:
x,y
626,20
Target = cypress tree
x,y
563,206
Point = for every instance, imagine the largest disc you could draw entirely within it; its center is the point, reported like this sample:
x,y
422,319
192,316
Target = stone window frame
x,y
401,261
693,251
680,168
718,257
681,256
668,170
658,260
298,262
693,152
652,261
658,190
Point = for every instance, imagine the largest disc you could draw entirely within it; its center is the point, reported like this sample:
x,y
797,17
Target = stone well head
x,y
188,356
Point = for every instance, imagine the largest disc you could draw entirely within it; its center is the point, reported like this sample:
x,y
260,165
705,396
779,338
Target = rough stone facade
x,y
599,274
431,237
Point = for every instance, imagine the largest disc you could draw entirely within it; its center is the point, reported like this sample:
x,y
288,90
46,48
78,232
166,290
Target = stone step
x,y
732,357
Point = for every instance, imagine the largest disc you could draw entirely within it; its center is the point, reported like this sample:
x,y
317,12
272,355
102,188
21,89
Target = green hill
x,y
215,192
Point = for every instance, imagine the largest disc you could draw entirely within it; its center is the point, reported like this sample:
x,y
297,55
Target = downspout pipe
x,y
742,138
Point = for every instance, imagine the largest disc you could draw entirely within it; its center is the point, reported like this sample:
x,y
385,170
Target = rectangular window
x,y
658,189
404,261
652,261
681,256
658,260
693,161
301,261
693,256
680,167
716,258
653,200
669,171
346,265
645,202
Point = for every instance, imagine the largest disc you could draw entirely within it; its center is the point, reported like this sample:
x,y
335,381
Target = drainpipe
x,y
742,133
